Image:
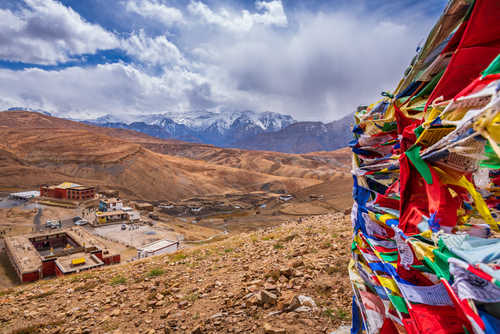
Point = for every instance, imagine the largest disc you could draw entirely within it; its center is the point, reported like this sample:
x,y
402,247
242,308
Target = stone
x,y
255,299
286,271
197,330
268,297
342,330
268,329
217,315
299,301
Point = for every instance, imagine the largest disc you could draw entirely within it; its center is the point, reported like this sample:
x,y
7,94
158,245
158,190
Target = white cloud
x,y
272,13
155,10
154,51
319,68
110,88
47,32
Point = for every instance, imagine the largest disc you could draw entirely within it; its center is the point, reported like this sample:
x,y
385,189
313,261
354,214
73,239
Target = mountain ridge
x,y
38,149
206,127
303,137
265,131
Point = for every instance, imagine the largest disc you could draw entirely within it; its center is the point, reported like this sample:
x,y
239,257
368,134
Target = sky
x,y
314,60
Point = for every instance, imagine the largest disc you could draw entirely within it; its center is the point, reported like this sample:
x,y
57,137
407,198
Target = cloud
x,y
155,10
153,51
47,32
272,13
319,65
109,88
331,63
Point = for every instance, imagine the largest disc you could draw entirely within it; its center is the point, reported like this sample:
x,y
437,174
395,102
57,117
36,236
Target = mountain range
x,y
267,131
302,137
221,129
37,149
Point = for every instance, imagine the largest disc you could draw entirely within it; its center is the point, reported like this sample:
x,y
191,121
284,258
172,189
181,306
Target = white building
x,y
25,195
110,204
158,247
132,214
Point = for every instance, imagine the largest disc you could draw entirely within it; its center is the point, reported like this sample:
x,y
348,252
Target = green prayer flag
x,y
493,68
398,303
423,169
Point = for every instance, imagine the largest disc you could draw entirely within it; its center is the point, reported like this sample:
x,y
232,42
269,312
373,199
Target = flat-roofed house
x,y
110,204
110,217
68,190
158,247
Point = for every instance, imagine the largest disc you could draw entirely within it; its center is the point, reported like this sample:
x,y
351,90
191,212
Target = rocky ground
x,y
288,279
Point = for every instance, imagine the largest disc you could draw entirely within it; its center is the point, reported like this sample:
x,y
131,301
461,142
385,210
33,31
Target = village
x,y
98,229
68,228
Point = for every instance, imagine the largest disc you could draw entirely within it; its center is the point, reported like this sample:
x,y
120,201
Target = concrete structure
x,y
133,215
110,204
76,262
110,217
39,255
25,195
68,190
158,247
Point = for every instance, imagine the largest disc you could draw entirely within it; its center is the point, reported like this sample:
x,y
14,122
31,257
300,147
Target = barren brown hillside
x,y
317,165
288,279
37,149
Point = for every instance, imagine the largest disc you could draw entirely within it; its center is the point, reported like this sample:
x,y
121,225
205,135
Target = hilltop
x,y
38,148
287,279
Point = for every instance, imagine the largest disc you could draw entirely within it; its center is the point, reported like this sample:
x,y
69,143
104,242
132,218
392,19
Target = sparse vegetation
x,y
192,297
87,286
6,292
178,257
81,277
278,246
289,237
156,272
118,280
326,245
329,313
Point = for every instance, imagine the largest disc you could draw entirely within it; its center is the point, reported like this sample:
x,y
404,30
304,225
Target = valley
x,y
201,193
41,149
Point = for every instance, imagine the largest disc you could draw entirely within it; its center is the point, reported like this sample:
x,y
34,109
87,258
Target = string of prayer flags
x,y
426,172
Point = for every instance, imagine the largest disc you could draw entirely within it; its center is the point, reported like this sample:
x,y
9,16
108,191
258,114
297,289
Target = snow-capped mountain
x,y
303,137
218,128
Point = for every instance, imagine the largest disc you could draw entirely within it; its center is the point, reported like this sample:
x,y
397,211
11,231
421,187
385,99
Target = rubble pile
x,y
426,244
